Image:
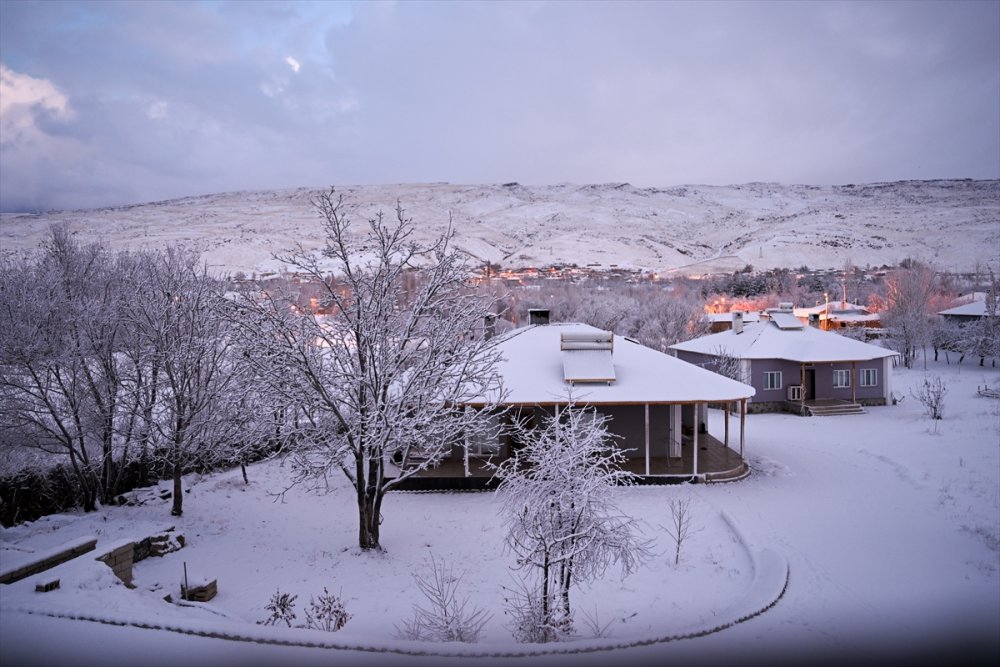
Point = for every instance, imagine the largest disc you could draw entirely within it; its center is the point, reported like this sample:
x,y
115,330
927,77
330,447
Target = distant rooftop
x,y
768,340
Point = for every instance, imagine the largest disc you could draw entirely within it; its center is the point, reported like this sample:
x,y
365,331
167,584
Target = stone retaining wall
x,y
119,557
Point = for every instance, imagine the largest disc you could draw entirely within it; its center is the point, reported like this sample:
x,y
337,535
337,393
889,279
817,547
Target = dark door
x,y
810,388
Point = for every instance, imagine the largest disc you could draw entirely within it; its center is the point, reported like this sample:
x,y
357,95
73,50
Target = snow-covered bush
x,y
448,618
282,608
326,612
536,617
931,395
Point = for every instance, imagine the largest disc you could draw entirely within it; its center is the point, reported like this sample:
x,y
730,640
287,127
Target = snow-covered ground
x,y
891,533
694,228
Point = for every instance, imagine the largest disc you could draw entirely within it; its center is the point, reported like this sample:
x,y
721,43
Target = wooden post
x,y
695,439
647,438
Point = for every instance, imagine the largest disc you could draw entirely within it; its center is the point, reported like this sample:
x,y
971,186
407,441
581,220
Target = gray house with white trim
x,y
797,368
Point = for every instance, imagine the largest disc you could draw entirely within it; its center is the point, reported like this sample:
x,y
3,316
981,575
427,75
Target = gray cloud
x,y
171,99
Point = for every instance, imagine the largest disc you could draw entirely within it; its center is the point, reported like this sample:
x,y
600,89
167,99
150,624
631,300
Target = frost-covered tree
x,y
563,524
649,314
984,334
907,314
378,380
61,374
184,337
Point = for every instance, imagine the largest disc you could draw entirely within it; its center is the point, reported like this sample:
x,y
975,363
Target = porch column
x,y
695,439
675,431
728,405
802,393
743,423
854,382
647,438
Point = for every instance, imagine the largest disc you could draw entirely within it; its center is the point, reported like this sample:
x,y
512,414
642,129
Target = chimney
x,y
538,316
737,321
489,326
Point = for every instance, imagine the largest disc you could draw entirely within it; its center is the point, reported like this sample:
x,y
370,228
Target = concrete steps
x,y
834,410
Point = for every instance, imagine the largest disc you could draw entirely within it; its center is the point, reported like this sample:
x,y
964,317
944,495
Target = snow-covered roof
x,y
728,317
834,307
767,341
975,308
533,367
852,317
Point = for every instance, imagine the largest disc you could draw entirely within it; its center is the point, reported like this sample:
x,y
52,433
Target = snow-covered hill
x,y
696,228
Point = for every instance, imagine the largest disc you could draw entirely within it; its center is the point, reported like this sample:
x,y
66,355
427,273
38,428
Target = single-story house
x,y
656,405
973,310
798,368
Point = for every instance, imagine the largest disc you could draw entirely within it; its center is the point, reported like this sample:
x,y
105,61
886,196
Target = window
x,y
487,442
842,378
772,380
869,377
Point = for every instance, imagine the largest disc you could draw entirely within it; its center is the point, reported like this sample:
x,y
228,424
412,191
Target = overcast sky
x,y
129,102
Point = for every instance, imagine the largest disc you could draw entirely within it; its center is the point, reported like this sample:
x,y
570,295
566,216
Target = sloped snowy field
x,y
696,228
891,533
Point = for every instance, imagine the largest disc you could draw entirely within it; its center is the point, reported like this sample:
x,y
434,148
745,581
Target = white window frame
x,y
769,384
842,378
866,375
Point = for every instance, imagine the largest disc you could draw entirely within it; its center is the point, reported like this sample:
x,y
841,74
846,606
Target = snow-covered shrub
x,y
448,619
536,617
931,395
326,612
282,608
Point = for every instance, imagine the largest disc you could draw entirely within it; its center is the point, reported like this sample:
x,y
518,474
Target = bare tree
x,y
681,525
562,522
931,395
382,377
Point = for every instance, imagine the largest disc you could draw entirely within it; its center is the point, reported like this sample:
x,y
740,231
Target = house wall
x,y
629,423
791,374
774,400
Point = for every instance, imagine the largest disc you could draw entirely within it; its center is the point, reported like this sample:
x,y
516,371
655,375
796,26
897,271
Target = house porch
x,y
715,462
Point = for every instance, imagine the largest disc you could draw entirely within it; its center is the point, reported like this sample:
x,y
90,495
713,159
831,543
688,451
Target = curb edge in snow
x,y
770,581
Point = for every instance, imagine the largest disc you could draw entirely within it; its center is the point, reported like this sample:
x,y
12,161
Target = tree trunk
x,y
178,507
369,506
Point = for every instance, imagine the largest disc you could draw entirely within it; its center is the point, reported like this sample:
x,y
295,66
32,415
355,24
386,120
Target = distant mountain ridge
x,y
692,228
